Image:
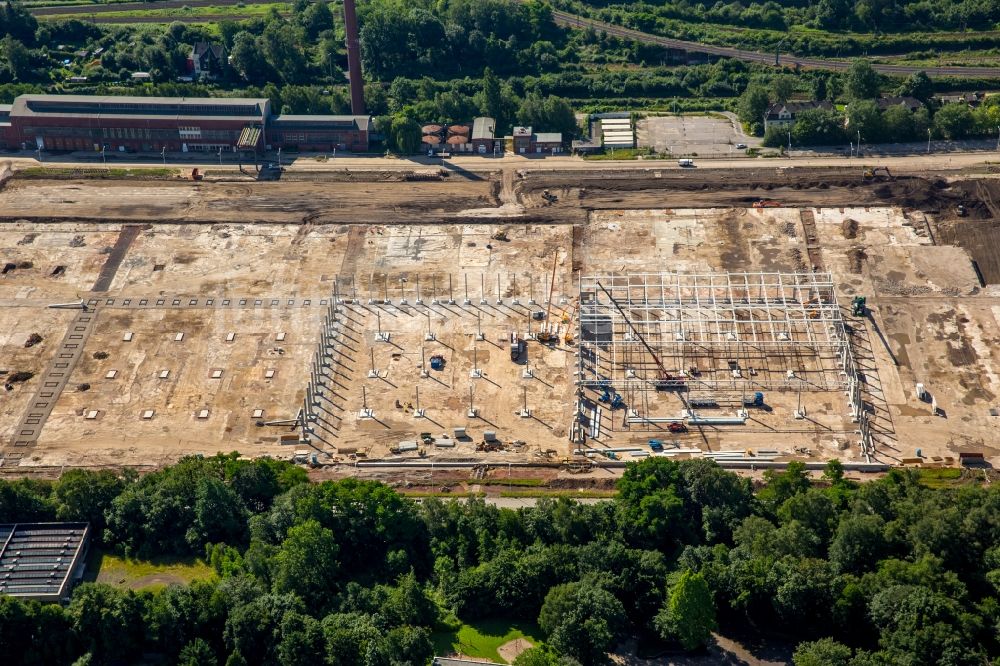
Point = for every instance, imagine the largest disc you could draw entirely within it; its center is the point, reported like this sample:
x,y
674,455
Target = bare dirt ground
x,y
246,271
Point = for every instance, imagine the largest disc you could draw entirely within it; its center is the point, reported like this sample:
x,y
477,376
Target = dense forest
x,y
350,572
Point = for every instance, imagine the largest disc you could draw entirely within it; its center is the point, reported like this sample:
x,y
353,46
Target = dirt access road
x,y
477,165
388,200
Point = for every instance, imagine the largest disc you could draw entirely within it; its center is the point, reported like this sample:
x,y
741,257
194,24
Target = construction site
x,y
547,319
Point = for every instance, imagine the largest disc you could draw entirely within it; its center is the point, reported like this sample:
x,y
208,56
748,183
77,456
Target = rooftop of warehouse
x,y
37,560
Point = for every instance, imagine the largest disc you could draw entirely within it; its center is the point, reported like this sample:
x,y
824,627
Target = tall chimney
x,y
354,58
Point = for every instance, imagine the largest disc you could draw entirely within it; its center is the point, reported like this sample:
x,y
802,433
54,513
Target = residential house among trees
x,y
783,114
207,59
911,104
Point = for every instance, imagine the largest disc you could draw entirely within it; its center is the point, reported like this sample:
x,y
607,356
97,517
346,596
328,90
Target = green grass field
x,y
944,477
97,172
481,639
620,154
144,574
245,11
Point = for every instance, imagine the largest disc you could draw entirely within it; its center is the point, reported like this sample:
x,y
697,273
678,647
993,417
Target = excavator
x,y
871,173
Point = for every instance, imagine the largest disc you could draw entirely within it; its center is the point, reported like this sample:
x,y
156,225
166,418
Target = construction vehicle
x,y
961,210
677,427
859,307
549,197
656,445
545,336
871,173
757,400
437,362
516,347
767,203
612,398
567,319
500,235
489,447
196,174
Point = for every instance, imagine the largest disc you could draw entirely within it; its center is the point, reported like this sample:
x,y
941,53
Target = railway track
x,y
573,21
561,18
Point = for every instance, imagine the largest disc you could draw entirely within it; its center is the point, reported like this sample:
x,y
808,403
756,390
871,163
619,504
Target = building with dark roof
x,y
173,124
42,561
134,124
320,133
206,59
782,115
911,104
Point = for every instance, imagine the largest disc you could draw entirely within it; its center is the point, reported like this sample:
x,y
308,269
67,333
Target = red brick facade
x,y
137,124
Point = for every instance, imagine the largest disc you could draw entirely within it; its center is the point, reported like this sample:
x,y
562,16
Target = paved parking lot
x,y
708,136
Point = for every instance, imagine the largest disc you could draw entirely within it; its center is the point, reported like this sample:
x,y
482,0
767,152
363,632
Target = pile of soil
x,y
849,228
856,258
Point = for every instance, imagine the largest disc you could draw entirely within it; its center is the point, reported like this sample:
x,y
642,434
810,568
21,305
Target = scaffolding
x,y
716,334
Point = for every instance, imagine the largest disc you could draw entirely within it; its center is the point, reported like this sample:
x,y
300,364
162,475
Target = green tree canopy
x,y
689,614
954,121
861,81
581,620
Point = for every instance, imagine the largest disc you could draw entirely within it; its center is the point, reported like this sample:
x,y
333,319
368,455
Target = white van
x,y
685,162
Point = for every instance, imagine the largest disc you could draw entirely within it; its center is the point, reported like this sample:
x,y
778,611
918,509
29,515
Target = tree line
x,y
833,28
350,572
863,16
863,116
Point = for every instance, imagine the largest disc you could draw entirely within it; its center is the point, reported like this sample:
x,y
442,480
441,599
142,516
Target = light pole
x,y
929,140
220,155
859,143
103,157
163,154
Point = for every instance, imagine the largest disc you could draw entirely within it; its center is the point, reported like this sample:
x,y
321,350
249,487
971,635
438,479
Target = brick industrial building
x,y
177,124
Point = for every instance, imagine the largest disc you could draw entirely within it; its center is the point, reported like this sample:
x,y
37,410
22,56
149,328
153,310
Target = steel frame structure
x,y
723,333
